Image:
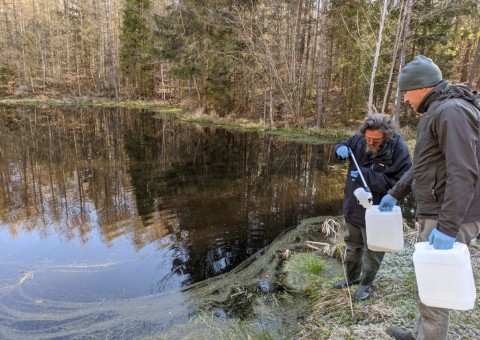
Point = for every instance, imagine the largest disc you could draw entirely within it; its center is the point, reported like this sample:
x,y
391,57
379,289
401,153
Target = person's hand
x,y
440,240
354,174
342,152
387,203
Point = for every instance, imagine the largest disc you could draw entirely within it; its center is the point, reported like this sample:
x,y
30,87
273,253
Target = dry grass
x,y
334,316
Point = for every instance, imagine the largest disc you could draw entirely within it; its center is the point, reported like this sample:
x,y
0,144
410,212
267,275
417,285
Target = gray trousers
x,y
359,259
433,322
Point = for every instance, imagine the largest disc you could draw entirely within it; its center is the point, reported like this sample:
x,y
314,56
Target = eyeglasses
x,y
375,141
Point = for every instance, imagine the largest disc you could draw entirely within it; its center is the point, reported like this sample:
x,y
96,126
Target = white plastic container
x,y
384,229
444,277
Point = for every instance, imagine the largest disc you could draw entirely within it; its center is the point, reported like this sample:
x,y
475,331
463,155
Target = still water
x,y
108,207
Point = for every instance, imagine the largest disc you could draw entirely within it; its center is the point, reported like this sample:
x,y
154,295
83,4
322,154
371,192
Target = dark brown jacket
x,y
445,171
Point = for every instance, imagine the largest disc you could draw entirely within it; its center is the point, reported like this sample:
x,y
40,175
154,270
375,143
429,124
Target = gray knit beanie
x,y
419,73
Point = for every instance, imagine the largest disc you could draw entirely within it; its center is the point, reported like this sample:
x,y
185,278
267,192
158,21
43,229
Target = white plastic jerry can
x,y
444,277
384,229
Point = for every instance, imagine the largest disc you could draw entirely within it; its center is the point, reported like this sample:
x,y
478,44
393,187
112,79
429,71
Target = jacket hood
x,y
446,90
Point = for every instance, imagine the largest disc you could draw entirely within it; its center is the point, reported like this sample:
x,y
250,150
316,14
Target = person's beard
x,y
373,149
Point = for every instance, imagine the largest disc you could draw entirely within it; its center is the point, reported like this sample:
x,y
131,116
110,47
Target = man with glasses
x,y
383,158
444,174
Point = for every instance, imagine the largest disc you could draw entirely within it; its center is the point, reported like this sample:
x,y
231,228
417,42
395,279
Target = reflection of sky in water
x,y
91,270
117,211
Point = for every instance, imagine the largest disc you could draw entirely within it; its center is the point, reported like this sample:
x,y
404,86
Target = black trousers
x,y
360,262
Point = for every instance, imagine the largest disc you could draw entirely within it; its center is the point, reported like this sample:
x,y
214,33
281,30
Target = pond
x,y
105,213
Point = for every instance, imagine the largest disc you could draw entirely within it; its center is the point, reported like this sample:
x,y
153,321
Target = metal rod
x,y
367,189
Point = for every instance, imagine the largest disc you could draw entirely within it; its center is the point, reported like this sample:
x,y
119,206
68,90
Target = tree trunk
x,y
320,71
403,52
394,59
371,107
465,62
476,58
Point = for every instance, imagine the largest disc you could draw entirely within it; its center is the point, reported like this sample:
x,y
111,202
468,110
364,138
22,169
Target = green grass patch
x,y
94,102
305,263
295,135
410,282
407,309
312,135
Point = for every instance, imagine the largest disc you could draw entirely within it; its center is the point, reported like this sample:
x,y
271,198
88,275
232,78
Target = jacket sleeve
x,y
381,182
457,131
403,186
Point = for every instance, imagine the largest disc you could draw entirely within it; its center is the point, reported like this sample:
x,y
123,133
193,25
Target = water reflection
x,y
138,205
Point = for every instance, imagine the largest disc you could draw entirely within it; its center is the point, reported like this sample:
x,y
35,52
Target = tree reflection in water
x,y
165,203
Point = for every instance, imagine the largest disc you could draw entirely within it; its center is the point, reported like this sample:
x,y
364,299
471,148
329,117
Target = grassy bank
x,y
334,315
307,135
307,306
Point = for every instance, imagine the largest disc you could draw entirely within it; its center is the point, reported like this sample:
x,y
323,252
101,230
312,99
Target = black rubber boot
x,y
343,283
399,334
363,293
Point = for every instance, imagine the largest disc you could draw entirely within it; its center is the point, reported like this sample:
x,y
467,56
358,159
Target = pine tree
x,y
137,58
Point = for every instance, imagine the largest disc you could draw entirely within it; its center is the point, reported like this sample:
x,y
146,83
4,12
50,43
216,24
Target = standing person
x,y
383,158
444,174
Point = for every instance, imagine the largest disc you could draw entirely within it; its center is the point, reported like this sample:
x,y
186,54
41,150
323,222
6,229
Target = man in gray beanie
x,y
444,176
422,72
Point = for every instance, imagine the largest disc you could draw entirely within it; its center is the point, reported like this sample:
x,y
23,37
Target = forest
x,y
285,62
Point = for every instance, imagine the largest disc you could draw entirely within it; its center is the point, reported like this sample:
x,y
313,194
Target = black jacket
x,y
381,172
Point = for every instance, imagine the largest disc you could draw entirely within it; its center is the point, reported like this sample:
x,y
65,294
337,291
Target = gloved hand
x,y
387,203
342,152
440,240
354,174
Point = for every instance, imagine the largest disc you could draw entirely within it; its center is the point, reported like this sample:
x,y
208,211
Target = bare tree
x,y
398,39
403,52
370,106
321,64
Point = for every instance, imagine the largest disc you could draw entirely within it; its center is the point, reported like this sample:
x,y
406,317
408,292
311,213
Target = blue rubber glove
x,y
387,203
342,152
354,175
440,240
